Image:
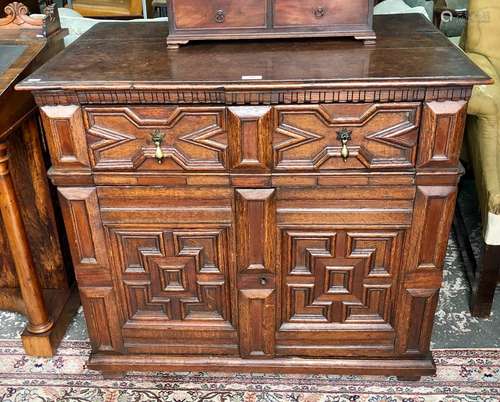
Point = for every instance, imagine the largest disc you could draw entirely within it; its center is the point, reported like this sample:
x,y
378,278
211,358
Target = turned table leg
x,y
38,318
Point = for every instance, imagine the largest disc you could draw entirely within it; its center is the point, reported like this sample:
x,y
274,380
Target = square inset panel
x,y
136,246
172,279
338,280
205,248
172,276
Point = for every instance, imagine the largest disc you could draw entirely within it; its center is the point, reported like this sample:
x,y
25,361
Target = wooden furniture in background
x,y
277,206
264,19
34,278
32,5
108,8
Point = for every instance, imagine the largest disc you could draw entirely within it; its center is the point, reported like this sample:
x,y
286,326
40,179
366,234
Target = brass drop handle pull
x,y
220,16
263,281
319,12
157,136
344,136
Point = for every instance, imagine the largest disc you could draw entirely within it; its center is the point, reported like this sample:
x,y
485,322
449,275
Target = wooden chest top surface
x,y
409,49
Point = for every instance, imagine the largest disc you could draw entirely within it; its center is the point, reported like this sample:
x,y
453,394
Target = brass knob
x,y
319,12
344,136
220,16
157,137
263,281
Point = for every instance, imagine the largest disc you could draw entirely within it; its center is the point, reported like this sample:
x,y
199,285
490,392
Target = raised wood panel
x,y
256,230
335,280
173,267
249,130
120,138
257,322
177,283
355,205
102,319
341,262
416,314
80,209
160,204
382,136
434,207
169,275
65,136
338,276
442,133
255,257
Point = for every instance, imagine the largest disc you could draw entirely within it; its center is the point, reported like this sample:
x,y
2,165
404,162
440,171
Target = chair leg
x,y
484,286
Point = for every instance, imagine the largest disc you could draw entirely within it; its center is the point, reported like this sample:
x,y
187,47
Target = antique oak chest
x,y
259,206
260,19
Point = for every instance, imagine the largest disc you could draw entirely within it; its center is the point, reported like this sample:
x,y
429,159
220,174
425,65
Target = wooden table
x,y
35,280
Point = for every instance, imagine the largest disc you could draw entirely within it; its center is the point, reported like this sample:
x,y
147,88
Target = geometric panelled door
x,y
173,274
339,276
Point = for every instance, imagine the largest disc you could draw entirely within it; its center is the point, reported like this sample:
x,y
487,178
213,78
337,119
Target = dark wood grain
x,y
97,60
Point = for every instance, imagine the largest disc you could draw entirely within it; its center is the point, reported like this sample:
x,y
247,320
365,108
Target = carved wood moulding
x,y
18,18
17,14
270,97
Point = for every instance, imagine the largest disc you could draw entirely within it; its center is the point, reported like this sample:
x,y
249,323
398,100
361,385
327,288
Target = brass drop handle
x,y
220,16
344,136
157,136
319,12
263,281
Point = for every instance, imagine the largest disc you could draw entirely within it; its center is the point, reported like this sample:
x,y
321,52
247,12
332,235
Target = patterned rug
x,y
463,375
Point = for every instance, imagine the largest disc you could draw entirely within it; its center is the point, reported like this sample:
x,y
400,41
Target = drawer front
x,y
218,139
156,138
343,136
320,12
219,14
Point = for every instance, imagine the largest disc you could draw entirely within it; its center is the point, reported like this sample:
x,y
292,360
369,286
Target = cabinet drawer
x,y
187,138
375,136
320,12
219,14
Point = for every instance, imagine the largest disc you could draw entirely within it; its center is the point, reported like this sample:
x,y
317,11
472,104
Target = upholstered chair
x,y
481,41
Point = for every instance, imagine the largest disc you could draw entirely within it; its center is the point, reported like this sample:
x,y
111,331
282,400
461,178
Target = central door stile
x,y
256,260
